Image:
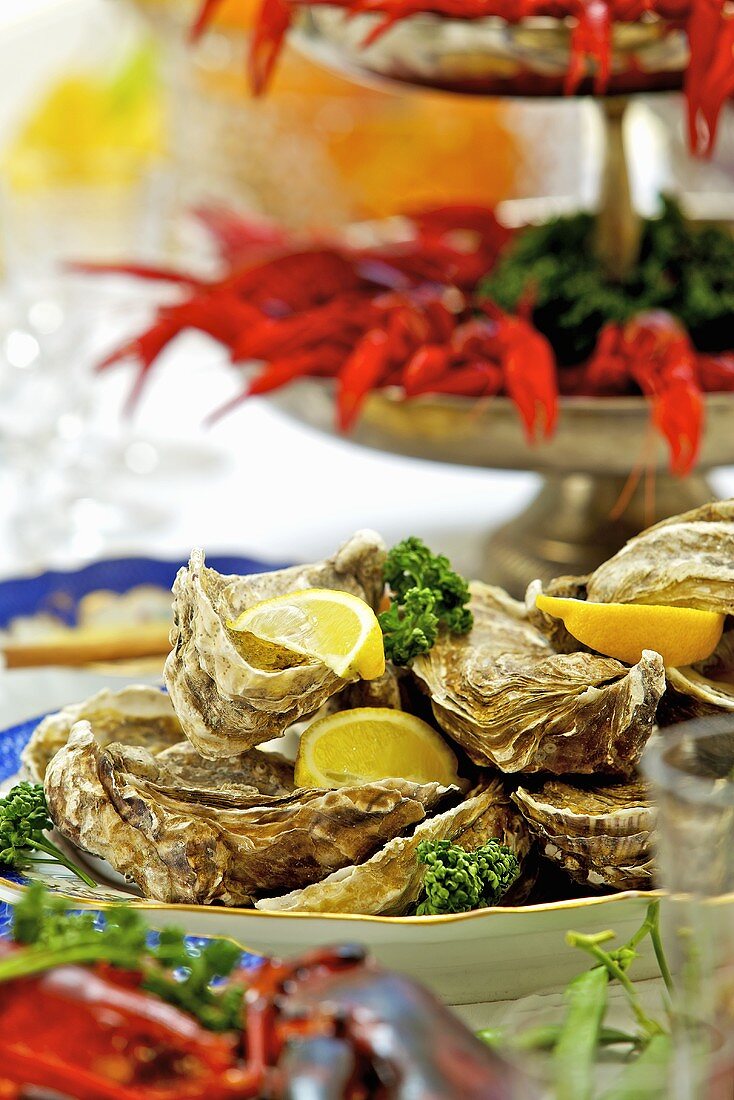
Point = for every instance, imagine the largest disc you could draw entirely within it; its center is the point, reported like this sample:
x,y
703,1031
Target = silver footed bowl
x,y
604,473
490,56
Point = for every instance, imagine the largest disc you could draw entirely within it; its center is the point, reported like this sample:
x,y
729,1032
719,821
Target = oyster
x,y
390,882
511,702
136,716
187,829
687,560
224,703
601,836
708,686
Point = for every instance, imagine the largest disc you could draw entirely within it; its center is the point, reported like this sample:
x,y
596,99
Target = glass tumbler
x,y
55,324
691,769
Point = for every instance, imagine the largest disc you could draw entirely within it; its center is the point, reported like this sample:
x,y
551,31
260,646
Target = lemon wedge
x,y
681,635
367,744
334,627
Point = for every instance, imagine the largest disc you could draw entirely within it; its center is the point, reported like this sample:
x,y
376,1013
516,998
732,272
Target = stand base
x,y
568,528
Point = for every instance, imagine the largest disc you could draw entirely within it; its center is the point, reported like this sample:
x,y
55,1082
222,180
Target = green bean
x,y
545,1037
647,1076
575,1053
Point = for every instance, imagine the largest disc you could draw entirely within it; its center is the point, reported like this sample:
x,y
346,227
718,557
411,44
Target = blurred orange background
x,y
320,149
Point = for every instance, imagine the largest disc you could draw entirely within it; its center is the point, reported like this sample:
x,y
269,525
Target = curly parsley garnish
x,y
685,269
426,594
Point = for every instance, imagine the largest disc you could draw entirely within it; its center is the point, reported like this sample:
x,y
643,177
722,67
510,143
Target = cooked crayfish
x,y
654,351
329,1025
411,315
404,314
709,79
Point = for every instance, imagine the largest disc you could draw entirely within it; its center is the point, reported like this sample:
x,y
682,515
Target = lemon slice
x,y
334,627
367,744
681,635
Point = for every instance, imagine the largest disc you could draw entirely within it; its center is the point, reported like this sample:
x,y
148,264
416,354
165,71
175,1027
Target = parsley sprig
x,y
50,936
24,822
685,269
426,594
457,880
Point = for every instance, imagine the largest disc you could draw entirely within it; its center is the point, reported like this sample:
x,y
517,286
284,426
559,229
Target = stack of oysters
x,y
189,796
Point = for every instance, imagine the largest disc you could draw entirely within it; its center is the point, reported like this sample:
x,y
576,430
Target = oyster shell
x,y
687,560
390,882
511,702
383,692
708,685
549,626
601,836
187,829
224,703
137,715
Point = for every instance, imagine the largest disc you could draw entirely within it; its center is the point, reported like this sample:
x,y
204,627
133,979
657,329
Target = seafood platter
x,y
372,748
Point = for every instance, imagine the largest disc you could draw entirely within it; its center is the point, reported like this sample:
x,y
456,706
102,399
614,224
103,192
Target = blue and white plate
x,y
58,593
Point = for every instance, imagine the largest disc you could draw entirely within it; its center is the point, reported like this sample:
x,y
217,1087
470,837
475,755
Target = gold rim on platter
x,y
448,918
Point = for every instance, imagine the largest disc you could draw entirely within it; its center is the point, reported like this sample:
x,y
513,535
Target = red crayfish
x,y
329,1025
709,78
401,314
654,351
411,315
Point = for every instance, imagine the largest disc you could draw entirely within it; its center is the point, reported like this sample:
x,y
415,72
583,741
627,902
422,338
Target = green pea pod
x,y
574,1057
545,1037
647,1076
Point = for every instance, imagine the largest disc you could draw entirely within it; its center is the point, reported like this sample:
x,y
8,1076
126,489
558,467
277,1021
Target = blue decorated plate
x,y
60,595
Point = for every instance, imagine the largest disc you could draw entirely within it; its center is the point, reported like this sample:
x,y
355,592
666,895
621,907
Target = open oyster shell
x,y
390,883
707,686
687,560
600,835
226,705
186,829
136,716
511,702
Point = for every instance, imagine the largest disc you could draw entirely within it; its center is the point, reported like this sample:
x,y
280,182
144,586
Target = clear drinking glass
x,y
691,768
60,502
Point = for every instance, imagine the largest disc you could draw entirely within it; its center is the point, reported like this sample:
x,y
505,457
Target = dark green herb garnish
x,y
685,269
426,594
24,822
